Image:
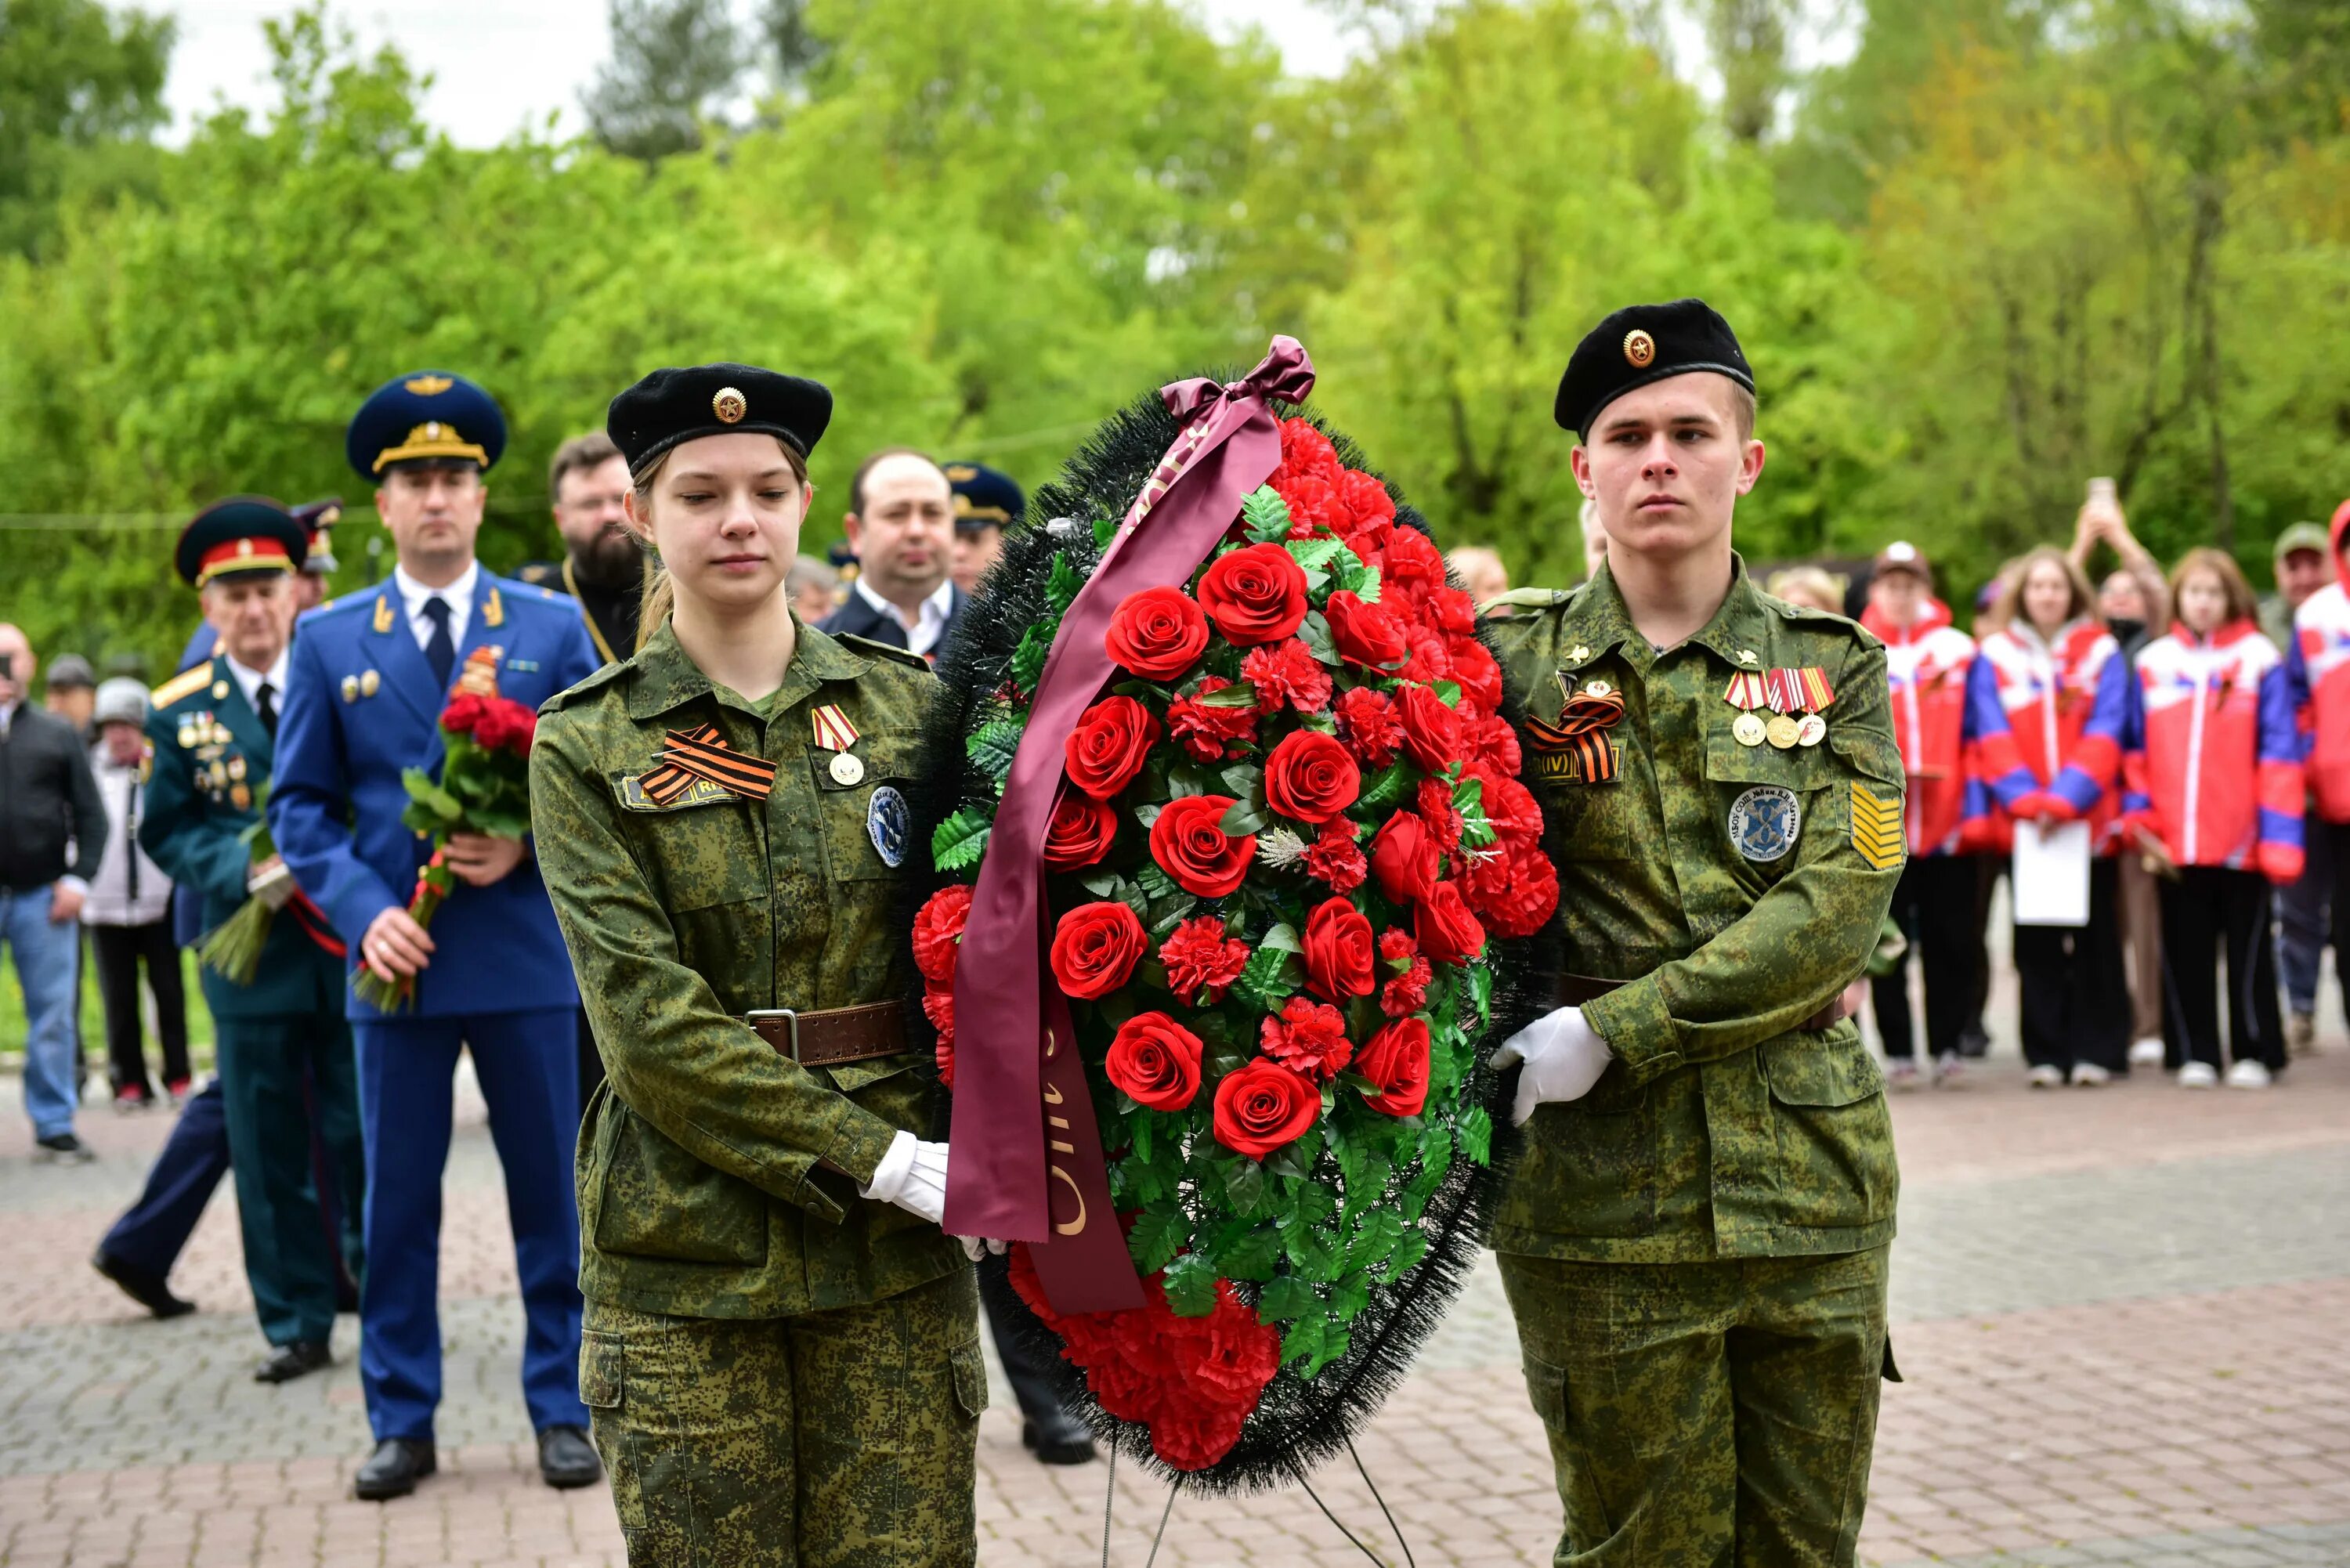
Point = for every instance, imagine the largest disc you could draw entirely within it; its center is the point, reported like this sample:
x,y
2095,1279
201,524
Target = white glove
x,y
975,1249
913,1176
1564,1057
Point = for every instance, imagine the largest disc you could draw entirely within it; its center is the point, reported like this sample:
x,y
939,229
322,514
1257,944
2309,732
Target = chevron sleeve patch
x,y
1877,827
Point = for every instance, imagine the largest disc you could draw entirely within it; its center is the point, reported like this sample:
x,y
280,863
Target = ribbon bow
x,y
701,753
1581,719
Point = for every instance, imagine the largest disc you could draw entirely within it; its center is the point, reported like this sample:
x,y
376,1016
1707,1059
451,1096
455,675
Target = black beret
x,y
1640,344
244,534
984,496
672,406
425,416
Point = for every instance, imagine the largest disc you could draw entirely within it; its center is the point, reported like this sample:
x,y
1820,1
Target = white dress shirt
x,y
923,633
249,680
458,594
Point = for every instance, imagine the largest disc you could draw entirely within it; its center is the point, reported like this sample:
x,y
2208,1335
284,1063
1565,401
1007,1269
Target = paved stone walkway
x,y
2120,1314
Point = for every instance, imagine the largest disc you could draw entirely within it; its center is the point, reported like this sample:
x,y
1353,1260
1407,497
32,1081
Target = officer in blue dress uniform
x,y
284,1049
371,674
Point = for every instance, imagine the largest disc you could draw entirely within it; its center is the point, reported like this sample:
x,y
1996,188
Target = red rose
x,y
1338,950
1337,859
1191,844
1155,1061
937,1006
463,711
1208,732
1307,1037
1262,1107
1431,732
1406,990
1367,721
1309,777
1200,957
1286,673
1403,860
937,932
1095,947
1109,746
1396,1059
1367,634
1081,831
1157,633
1448,932
1254,594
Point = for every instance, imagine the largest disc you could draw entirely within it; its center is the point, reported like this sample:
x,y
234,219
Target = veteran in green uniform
x,y
1694,1245
781,1354
284,1050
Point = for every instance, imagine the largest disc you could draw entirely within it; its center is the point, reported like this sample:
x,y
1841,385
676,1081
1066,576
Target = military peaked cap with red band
x,y
670,406
246,534
1640,344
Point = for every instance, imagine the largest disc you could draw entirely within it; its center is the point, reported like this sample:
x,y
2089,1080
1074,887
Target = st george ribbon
x,y
1025,1160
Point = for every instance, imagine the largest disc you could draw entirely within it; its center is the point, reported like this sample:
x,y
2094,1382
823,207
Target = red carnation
x,y
1396,1059
937,1006
1368,720
1190,844
1157,633
937,932
1315,510
1081,831
1522,899
1109,746
505,726
1431,661
1452,611
1307,1037
1404,858
1480,677
1254,594
463,711
1490,740
1365,633
1448,932
1264,1106
1305,450
1338,950
1208,733
1309,777
1335,858
1095,947
1509,805
1369,507
1431,732
1155,1062
1434,798
1286,672
1406,990
1412,565
1202,957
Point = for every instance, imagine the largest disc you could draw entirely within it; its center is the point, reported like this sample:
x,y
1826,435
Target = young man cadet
x,y
284,1050
369,677
1694,1245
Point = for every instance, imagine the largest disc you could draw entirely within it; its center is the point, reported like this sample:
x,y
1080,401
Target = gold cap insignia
x,y
428,386
729,405
961,472
1640,350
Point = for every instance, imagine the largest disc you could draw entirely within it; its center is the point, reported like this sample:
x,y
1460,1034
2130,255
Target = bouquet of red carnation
x,y
1282,837
483,787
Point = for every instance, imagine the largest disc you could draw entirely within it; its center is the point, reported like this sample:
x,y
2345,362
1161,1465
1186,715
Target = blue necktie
x,y
440,649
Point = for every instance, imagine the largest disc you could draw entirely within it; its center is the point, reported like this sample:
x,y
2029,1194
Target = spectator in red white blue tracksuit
x,y
2047,707
2318,667
2214,787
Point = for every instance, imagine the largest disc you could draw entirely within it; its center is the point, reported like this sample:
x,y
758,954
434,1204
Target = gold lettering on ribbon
x,y
1163,479
1053,1098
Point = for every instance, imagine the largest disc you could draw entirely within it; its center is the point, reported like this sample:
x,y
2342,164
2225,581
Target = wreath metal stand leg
x,y
1109,1506
1351,1540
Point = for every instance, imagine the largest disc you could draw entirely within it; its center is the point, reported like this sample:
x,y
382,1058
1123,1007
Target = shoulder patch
x,y
1877,827
872,650
186,683
572,696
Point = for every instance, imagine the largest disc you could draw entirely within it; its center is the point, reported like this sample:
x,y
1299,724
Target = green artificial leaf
x,y
1468,794
1157,1235
1313,1251
1481,993
1407,1253
1190,778
435,799
991,747
1335,1342
1165,914
1191,1286
1476,1134
1243,780
1314,554
1349,1296
1310,1203
1253,1255
1132,897
1366,587
1290,1162
1386,787
1100,883
1244,1186
961,839
1146,811
1155,883
1282,939
1286,1296
1447,693
1138,1128
1035,645
1316,634
1374,1240
1061,584
1306,1338
1269,980
1239,695
1105,530
1265,516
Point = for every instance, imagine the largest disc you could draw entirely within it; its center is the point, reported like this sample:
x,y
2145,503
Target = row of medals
x,y
1781,730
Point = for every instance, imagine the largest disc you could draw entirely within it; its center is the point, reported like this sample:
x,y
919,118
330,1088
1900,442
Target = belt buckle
x,y
790,1013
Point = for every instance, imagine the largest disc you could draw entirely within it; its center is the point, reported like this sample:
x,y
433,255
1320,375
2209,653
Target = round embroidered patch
x,y
1763,822
887,822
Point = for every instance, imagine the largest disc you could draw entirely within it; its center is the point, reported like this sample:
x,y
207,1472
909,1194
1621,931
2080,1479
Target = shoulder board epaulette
x,y
537,574
187,682
364,598
872,650
1527,599
572,695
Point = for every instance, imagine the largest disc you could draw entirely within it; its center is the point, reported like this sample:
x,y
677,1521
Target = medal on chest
x,y
1792,700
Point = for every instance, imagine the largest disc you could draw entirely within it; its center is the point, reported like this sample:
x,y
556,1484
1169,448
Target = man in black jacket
x,y
901,523
49,800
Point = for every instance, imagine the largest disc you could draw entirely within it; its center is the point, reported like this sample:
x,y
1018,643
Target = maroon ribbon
x,y
1025,1158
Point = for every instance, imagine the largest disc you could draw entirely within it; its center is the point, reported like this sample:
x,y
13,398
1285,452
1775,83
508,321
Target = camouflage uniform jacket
x,y
1722,1129
718,1178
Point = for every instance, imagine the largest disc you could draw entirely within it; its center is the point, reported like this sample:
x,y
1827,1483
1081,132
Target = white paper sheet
x,y
2052,874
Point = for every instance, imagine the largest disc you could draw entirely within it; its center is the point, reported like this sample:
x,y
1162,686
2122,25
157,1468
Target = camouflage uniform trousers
x,y
1706,1414
843,1439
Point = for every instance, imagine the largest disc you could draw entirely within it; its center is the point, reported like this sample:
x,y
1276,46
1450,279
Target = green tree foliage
x,y
79,87
673,63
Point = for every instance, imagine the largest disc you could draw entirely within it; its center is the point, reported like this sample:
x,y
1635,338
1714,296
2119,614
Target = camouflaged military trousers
x,y
1714,1415
830,1440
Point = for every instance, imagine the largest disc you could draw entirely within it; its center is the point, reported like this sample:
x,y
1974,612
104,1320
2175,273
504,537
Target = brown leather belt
x,y
1575,989
834,1036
